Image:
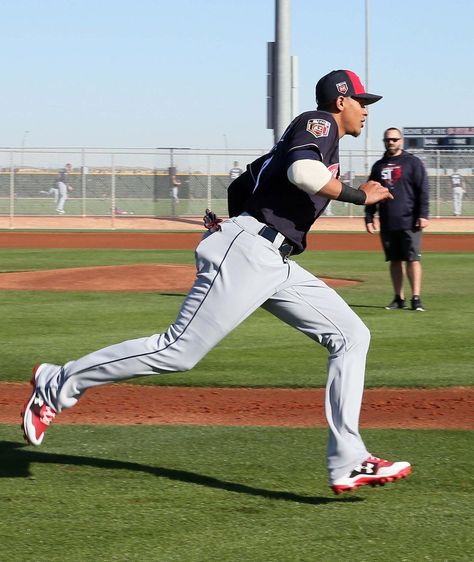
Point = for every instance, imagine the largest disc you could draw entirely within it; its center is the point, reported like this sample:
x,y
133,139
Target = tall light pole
x,y
282,68
23,142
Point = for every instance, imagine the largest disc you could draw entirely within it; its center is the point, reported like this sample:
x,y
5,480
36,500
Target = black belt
x,y
271,234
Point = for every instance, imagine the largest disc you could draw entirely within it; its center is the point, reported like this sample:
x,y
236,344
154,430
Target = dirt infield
x,y
449,408
327,241
324,224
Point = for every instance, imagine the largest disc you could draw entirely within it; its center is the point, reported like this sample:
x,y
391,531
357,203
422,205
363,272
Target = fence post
x,y
209,182
12,189
172,178
350,209
112,194
438,184
83,181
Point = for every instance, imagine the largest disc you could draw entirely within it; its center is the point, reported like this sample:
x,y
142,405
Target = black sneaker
x,y
416,305
396,304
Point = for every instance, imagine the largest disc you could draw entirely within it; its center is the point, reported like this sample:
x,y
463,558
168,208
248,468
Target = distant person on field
x,y
458,186
235,171
402,218
175,184
63,188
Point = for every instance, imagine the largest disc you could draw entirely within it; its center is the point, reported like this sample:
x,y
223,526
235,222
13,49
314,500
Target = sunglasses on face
x,y
392,139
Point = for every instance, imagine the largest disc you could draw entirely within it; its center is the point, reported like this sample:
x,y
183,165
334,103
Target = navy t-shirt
x,y
264,190
406,178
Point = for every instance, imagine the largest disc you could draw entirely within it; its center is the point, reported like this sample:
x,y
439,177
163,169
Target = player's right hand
x,y
211,221
375,192
370,227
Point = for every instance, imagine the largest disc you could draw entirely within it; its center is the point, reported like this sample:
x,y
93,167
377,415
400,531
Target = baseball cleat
x,y
416,305
36,415
396,304
372,472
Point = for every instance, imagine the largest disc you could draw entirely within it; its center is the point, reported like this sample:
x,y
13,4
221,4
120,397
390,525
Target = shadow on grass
x,y
15,460
380,307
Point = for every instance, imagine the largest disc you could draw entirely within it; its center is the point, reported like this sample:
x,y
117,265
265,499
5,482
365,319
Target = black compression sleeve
x,y
351,195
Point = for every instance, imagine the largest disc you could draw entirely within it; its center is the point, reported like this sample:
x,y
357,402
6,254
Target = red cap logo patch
x,y
318,127
342,88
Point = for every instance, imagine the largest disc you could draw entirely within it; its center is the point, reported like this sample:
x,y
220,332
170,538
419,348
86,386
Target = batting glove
x,y
211,221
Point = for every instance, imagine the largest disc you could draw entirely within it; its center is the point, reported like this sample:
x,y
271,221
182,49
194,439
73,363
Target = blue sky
x,y
192,73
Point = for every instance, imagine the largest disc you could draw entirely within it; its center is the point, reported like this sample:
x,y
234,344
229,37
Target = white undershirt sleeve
x,y
309,175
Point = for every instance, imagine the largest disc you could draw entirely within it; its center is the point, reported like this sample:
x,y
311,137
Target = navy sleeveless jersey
x,y
264,190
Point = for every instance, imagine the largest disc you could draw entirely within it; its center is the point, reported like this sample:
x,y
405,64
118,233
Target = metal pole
x,y
173,172
438,184
83,181
271,85
12,189
209,183
294,86
23,142
112,195
226,147
282,68
367,84
350,182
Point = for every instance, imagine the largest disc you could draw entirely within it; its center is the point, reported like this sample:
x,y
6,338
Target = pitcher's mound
x,y
143,278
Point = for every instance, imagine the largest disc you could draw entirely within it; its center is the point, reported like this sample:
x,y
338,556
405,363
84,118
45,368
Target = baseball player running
x,y
244,263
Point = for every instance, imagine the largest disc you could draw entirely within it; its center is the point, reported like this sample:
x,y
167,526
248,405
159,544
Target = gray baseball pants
x,y
237,272
62,196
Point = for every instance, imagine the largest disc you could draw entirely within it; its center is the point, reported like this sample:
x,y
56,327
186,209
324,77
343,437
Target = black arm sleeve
x,y
351,195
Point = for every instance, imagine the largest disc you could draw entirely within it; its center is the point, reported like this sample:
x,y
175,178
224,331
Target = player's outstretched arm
x,y
368,193
312,176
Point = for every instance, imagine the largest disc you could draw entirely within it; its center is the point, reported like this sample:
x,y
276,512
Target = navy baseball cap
x,y
342,83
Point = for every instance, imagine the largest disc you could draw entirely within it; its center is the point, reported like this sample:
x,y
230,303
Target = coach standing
x,y
403,218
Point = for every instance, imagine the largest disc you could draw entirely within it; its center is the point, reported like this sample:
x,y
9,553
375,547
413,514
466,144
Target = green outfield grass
x,y
408,349
229,494
201,494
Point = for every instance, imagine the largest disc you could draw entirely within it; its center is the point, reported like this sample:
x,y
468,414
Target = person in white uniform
x,y
244,263
458,186
63,188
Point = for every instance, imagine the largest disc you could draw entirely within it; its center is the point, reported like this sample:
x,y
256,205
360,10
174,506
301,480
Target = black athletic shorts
x,y
402,245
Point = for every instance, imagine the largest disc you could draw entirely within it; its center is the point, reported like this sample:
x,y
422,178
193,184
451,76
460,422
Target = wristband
x,y
350,195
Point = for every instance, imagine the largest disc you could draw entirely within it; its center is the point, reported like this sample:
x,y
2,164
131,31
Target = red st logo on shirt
x,y
391,174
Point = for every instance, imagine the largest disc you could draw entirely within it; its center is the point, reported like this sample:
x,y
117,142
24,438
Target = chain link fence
x,y
179,182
